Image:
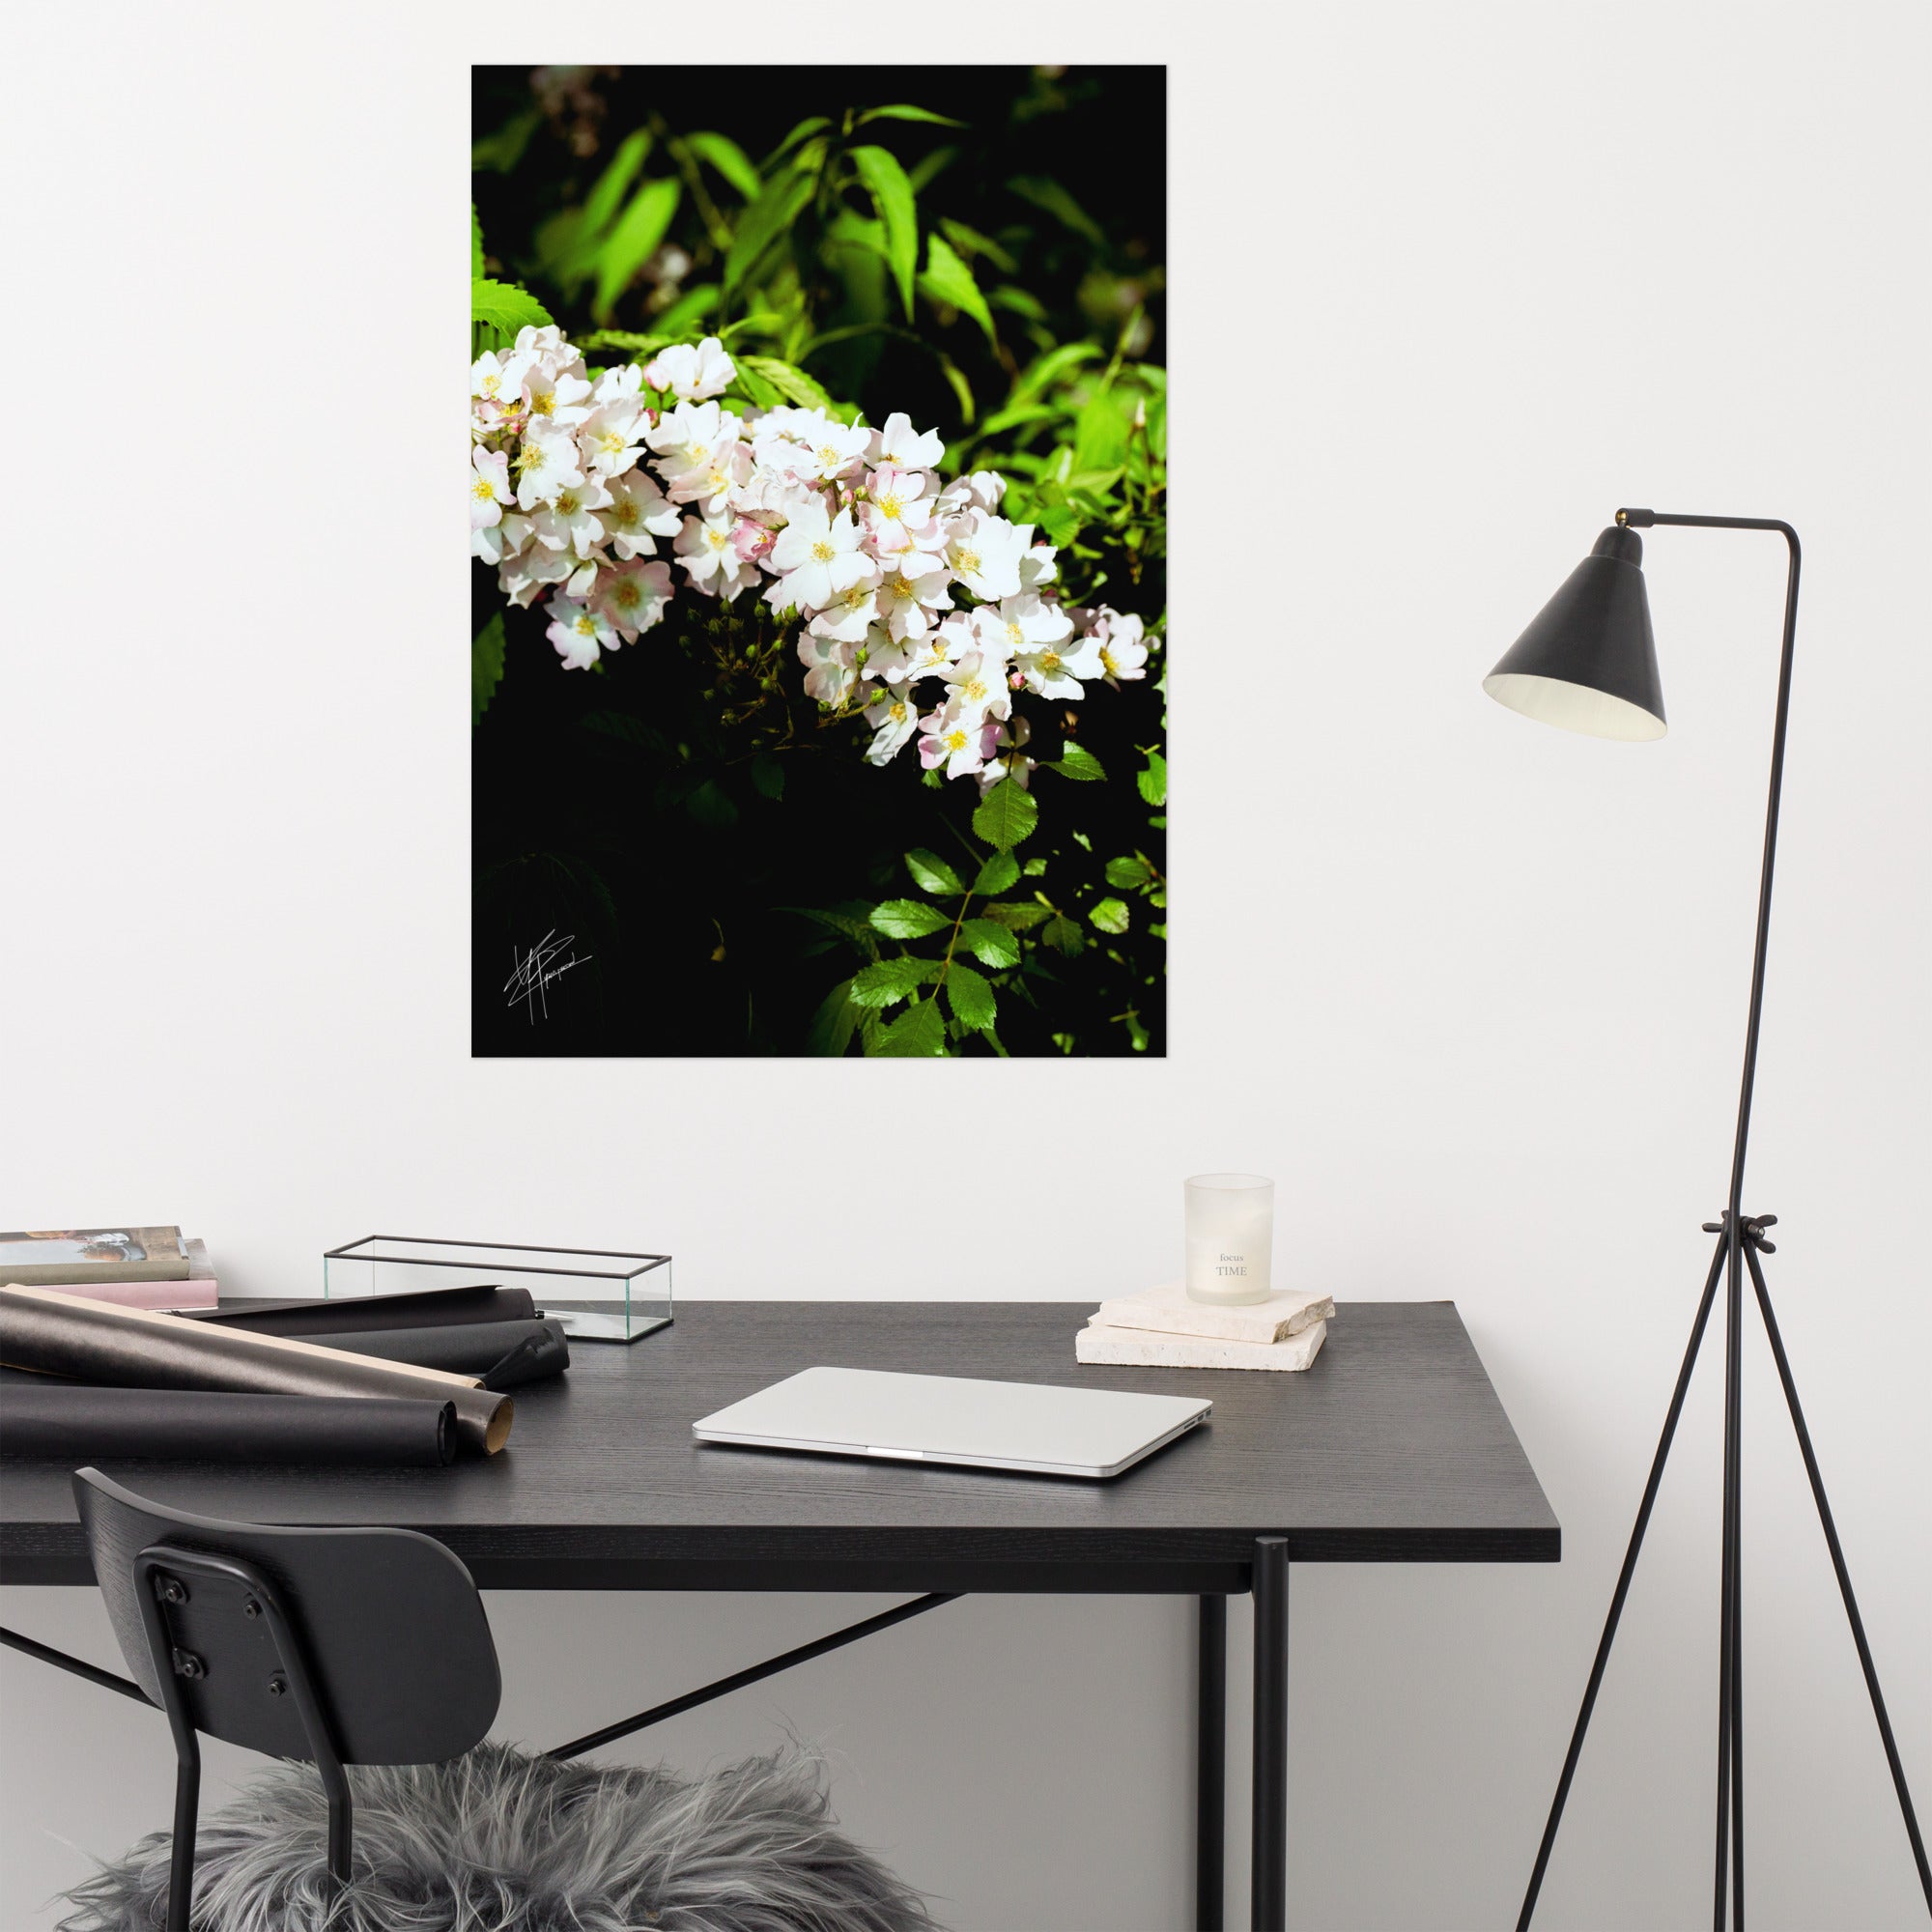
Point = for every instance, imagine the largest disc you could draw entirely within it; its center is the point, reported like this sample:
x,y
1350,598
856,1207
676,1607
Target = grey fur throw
x,y
495,1841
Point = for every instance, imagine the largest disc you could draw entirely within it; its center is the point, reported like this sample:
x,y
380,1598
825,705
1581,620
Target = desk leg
x,y
1270,1893
1211,1766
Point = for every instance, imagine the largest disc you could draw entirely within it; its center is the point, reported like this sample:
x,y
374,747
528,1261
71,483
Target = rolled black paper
x,y
73,1424
363,1313
466,1347
136,1348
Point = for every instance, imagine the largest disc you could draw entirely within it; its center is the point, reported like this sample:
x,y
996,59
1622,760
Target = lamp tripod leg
x,y
1622,1590
1844,1576
1730,1861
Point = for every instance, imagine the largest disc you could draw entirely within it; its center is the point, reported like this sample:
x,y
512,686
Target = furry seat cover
x,y
497,1841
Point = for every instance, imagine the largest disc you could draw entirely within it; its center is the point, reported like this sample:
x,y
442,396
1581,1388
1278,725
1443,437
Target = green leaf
x,y
891,195
1062,935
948,280
503,150
602,203
1050,367
1006,816
1016,914
889,980
1153,781
768,777
730,159
485,667
930,873
789,380
1057,202
969,241
754,386
918,1033
852,924
682,317
961,389
628,340
900,112
989,942
971,998
475,244
1100,440
711,805
908,919
830,1033
805,129
761,224
1076,762
504,306
633,241
999,874
1128,874
1110,916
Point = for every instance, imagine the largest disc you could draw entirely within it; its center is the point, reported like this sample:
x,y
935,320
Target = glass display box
x,y
598,1296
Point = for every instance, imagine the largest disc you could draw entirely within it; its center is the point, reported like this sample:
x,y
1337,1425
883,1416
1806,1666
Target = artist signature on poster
x,y
532,973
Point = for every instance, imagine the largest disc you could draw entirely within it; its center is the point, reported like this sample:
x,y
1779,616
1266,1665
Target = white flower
x,y
558,399
894,718
983,552
632,596
710,479
983,490
898,444
579,633
829,673
489,488
976,688
576,574
1036,564
1117,637
692,372
942,646
952,739
568,522
834,453
546,465
706,549
687,433
899,514
608,438
851,614
1035,632
914,586
1000,746
636,514
818,556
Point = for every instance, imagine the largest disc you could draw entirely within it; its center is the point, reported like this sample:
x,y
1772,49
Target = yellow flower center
x,y
483,490
493,387
531,456
898,711
585,625
1015,637
822,551
829,456
889,506
899,588
624,514
955,740
966,563
975,688
543,402
567,506
1049,663
717,539
610,443
856,596
627,593
1107,663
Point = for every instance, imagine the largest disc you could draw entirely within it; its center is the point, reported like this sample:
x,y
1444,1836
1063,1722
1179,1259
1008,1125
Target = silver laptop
x,y
981,1425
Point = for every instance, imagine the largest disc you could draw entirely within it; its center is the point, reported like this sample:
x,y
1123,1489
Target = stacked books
x,y
130,1267
1162,1328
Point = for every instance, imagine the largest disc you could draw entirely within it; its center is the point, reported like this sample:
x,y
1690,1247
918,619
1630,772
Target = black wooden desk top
x,y
1392,1448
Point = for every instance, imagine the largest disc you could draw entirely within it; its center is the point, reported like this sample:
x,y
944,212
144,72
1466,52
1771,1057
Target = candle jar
x,y
1230,1238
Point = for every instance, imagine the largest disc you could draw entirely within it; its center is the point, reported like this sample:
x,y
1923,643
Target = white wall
x,y
1449,285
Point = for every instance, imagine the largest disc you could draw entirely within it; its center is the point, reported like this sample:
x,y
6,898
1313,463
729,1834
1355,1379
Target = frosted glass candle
x,y
1230,1238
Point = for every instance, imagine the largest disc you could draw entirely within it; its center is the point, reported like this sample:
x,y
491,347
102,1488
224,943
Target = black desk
x,y
1391,1448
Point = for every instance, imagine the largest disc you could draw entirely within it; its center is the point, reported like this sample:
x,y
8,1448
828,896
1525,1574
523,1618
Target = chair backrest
x,y
390,1630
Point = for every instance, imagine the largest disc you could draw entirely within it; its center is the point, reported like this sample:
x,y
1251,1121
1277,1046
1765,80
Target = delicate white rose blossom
x,y
918,605
580,631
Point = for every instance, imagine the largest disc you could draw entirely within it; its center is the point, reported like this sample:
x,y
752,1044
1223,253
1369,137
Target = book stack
x,y
1162,1328
130,1267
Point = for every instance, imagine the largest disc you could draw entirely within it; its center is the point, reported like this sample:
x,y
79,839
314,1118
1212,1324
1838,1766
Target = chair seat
x,y
498,1841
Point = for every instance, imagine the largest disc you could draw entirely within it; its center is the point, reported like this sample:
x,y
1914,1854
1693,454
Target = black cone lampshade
x,y
1588,662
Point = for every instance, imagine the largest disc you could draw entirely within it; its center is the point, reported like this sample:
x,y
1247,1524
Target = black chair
x,y
330,1646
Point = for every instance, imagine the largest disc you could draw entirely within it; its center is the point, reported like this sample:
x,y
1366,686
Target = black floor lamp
x,y
1587,663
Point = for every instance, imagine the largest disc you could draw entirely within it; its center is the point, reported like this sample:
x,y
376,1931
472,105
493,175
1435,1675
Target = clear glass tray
x,y
597,1297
